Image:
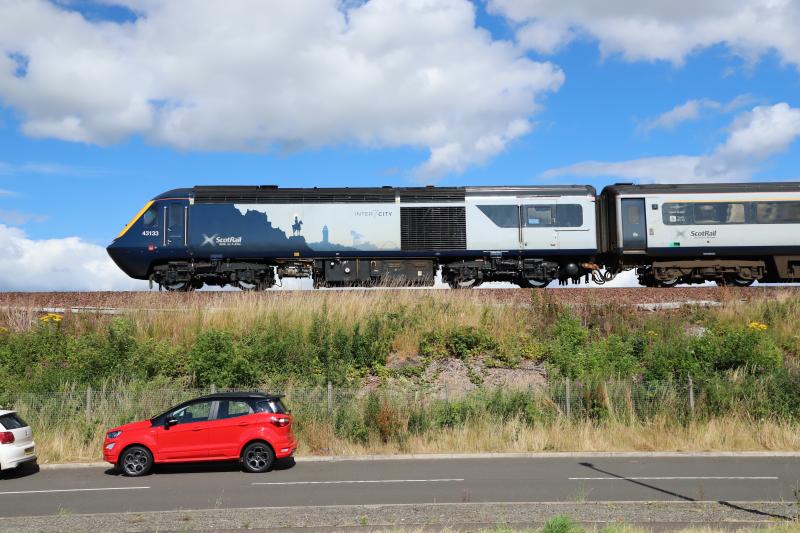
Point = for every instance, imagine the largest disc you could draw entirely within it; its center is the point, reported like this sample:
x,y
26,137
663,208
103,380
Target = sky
x,y
105,104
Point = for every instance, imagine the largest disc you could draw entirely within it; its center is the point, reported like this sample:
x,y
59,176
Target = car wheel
x,y
136,461
257,457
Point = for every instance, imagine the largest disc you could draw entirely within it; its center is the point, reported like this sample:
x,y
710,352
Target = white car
x,y
16,442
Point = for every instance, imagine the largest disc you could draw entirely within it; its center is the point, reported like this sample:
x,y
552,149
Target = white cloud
x,y
689,110
661,29
273,75
17,218
753,137
692,110
57,264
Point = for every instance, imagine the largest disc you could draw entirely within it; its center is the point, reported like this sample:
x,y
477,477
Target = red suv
x,y
251,427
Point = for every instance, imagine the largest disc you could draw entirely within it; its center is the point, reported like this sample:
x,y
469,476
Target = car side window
x,y
194,412
233,408
270,406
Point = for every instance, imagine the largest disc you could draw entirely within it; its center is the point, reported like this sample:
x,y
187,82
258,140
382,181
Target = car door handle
x,y
197,429
243,424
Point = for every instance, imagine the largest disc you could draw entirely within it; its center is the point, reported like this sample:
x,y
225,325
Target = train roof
x,y
694,188
274,194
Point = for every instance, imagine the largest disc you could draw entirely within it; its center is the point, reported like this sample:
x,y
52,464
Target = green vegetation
x,y
624,367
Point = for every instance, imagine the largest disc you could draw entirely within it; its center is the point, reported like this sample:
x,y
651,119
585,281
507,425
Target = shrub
x,y
215,362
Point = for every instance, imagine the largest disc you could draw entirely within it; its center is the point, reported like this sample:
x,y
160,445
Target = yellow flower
x,y
51,317
651,333
758,326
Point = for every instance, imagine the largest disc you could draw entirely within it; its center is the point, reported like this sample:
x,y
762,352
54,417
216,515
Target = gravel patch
x,y
414,515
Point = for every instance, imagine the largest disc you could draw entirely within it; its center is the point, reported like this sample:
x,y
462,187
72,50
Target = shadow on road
x,y
210,467
683,496
21,471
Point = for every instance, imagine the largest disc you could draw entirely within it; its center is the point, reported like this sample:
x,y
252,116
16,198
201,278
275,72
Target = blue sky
x,y
599,104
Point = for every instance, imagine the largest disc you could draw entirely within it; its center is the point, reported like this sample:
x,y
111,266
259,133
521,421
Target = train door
x,y
175,220
538,224
634,225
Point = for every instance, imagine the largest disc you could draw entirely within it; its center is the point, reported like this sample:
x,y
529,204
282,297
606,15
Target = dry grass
x,y
70,444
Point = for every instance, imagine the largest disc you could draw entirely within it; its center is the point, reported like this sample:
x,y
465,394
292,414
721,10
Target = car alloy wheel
x,y
136,461
257,457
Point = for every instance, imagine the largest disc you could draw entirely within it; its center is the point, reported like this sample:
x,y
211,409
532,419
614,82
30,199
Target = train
x,y
251,237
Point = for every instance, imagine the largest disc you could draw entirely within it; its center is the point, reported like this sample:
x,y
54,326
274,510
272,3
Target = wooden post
x,y
330,398
88,402
691,395
569,398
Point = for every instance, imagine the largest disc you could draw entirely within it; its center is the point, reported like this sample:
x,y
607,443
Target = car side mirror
x,y
169,422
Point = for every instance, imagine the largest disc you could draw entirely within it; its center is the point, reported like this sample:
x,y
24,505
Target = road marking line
x,y
667,478
342,482
70,490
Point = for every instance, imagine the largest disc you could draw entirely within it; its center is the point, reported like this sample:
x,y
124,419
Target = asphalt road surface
x,y
224,486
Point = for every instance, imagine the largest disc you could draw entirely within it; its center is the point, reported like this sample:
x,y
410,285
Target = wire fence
x,y
569,399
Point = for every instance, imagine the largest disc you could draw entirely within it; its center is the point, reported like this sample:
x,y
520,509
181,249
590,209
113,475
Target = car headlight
x,y
113,434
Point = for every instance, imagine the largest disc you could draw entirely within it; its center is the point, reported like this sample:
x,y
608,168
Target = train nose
x,y
129,260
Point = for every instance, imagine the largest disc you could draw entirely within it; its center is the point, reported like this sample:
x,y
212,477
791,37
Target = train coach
x,y
732,233
248,236
252,236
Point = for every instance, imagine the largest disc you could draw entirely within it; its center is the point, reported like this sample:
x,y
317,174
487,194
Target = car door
x,y
188,438
233,418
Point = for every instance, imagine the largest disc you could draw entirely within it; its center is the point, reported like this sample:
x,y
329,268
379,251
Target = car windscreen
x,y
12,421
273,405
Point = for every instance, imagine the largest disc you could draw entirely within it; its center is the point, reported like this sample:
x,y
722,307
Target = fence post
x,y
88,402
213,388
691,395
330,398
569,399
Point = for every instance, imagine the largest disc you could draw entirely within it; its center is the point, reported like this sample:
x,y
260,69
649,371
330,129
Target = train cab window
x,y
150,217
504,216
539,216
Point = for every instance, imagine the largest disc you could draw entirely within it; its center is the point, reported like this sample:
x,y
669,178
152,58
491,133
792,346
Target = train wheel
x,y
739,282
532,283
462,283
667,283
186,286
257,286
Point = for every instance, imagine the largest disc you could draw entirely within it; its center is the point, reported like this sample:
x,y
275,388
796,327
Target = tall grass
x,y
69,425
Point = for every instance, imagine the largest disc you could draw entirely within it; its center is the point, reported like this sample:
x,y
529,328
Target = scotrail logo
x,y
216,240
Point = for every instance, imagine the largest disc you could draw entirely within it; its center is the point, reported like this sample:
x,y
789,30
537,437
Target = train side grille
x,y
433,228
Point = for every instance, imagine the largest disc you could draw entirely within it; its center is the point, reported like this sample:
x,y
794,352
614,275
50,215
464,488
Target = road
x,y
562,479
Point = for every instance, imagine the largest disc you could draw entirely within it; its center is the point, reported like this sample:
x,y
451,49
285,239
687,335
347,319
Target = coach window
x,y
537,216
505,216
569,216
677,214
709,213
777,212
150,217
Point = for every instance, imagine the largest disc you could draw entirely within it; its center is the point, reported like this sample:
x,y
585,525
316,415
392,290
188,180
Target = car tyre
x,y
136,461
257,457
